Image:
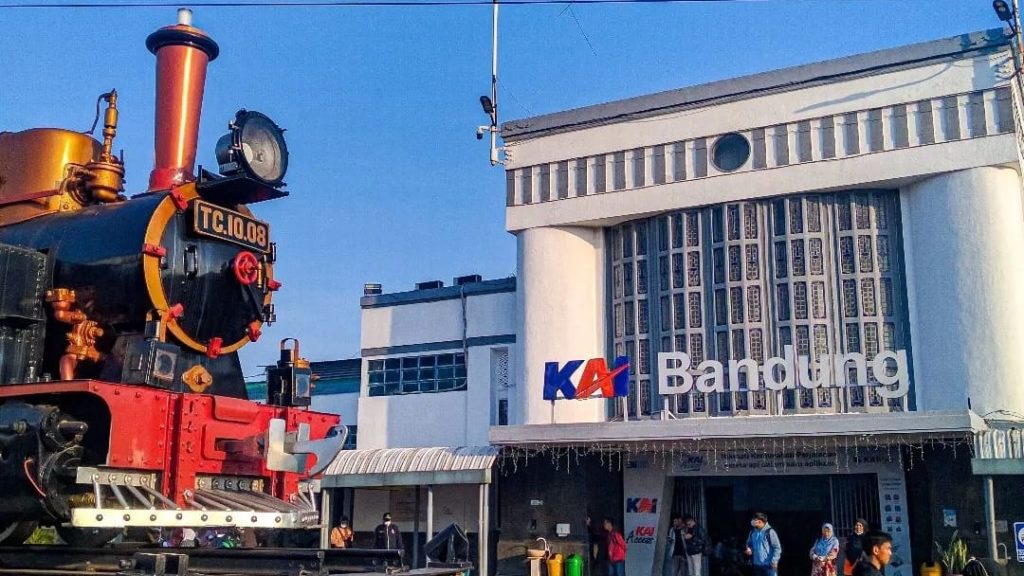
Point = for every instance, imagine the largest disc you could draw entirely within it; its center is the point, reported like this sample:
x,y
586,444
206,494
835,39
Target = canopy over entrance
x,y
410,467
417,467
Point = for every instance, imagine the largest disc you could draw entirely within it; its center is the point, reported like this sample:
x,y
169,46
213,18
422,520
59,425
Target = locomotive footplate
x,y
136,561
242,509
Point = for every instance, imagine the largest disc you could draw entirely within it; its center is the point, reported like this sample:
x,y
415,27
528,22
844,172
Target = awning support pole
x,y
325,518
416,533
990,516
482,532
430,511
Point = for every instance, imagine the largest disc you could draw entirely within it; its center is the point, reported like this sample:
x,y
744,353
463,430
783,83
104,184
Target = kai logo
x,y
641,535
596,377
641,505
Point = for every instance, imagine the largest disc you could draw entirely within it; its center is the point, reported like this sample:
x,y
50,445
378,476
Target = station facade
x,y
797,292
813,274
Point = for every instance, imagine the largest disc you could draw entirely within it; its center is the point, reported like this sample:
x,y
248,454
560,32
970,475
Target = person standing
x,y
387,536
695,541
824,553
675,547
596,547
342,535
763,546
854,546
616,549
877,553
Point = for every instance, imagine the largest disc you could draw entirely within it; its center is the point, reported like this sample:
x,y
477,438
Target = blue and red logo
x,y
596,377
641,505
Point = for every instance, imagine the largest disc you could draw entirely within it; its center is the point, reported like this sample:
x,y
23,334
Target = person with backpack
x,y
763,546
616,549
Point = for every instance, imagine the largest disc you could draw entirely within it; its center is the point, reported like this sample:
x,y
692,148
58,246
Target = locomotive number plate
x,y
218,222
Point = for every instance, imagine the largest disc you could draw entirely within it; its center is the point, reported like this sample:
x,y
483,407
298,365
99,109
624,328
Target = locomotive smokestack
x,y
182,53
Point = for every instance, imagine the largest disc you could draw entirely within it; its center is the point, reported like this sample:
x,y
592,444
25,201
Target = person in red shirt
x,y
616,549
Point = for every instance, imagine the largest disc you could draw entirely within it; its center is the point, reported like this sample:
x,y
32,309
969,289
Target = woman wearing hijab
x,y
854,546
824,553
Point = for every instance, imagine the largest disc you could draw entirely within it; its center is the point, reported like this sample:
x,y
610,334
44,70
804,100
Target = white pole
x,y
430,511
494,83
325,517
481,537
990,516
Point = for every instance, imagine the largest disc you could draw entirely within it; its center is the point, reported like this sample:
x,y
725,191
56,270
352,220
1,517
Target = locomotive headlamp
x,y
255,147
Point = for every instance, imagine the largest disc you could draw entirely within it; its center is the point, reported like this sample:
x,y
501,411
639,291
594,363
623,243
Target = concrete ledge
x,y
885,169
936,423
995,467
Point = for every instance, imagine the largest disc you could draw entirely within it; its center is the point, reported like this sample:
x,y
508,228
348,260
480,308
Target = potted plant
x,y
954,557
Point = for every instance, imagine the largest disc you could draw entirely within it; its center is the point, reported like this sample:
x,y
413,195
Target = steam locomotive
x,y
122,401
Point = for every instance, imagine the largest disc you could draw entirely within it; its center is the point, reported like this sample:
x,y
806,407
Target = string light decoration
x,y
841,453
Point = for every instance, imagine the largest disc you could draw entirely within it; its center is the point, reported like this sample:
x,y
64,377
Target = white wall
x,y
423,322
434,419
457,504
964,243
561,303
778,108
783,108
347,405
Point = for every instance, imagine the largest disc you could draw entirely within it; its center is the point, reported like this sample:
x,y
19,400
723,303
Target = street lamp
x,y
1004,12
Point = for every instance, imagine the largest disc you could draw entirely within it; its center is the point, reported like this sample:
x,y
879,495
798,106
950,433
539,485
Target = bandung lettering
x,y
888,370
596,377
641,535
642,505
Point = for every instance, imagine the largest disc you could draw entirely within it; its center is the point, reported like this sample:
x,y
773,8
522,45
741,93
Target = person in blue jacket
x,y
763,546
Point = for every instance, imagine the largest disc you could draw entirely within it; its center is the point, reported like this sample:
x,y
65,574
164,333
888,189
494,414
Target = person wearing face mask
x,y
763,546
854,546
387,536
342,535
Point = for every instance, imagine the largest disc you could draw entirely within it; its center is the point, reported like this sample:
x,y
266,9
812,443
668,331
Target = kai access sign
x,y
596,380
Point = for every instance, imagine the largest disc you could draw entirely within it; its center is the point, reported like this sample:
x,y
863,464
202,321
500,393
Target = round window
x,y
731,151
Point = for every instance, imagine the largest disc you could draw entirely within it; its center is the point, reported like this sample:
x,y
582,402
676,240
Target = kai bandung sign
x,y
888,370
595,378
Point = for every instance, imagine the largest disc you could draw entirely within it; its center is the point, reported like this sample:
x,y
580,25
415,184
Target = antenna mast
x,y
490,104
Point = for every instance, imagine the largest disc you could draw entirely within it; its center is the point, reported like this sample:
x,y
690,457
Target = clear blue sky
x,y
388,181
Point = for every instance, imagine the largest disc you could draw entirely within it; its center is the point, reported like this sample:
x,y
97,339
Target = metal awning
x,y
410,467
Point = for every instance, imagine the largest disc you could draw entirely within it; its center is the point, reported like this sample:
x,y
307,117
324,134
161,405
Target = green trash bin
x,y
574,565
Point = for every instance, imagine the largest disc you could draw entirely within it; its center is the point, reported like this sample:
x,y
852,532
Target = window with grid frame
x,y
831,262
417,374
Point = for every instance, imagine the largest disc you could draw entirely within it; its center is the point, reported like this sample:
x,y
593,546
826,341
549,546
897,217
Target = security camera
x,y
480,132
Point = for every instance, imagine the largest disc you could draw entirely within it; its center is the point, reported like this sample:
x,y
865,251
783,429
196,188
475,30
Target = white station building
x,y
854,225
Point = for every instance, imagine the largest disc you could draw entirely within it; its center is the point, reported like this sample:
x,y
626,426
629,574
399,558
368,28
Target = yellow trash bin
x,y
555,565
931,569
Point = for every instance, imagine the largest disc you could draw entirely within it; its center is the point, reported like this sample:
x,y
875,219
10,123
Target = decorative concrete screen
x,y
819,272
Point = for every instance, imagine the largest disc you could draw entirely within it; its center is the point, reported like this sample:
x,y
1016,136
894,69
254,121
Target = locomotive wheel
x,y
17,532
85,537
